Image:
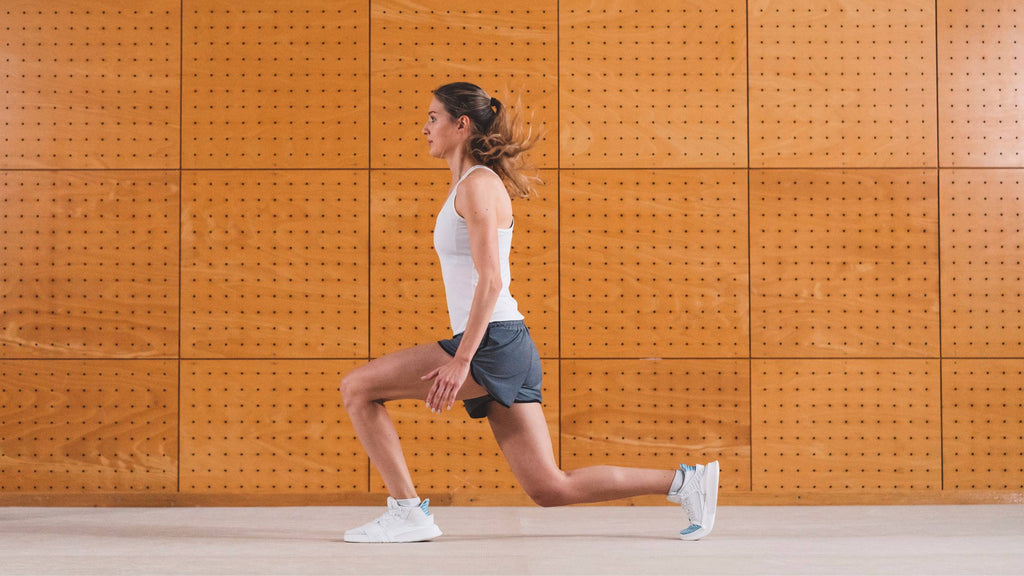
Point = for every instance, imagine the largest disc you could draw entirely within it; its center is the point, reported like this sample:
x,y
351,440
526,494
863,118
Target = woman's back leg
x,y
522,433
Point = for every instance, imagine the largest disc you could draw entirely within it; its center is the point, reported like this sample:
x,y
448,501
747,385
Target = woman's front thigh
x,y
399,375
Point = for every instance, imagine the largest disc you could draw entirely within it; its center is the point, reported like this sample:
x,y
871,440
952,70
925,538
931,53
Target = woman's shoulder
x,y
479,189
481,179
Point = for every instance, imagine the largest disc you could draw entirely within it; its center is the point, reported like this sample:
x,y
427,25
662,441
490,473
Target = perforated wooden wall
x,y
90,264
842,84
846,425
980,83
844,263
652,84
79,426
983,416
785,235
274,84
260,426
274,264
654,263
982,262
90,85
651,413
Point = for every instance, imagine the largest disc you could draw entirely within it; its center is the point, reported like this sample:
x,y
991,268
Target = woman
x,y
490,363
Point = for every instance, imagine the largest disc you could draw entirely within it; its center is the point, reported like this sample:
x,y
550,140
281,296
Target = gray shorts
x,y
506,364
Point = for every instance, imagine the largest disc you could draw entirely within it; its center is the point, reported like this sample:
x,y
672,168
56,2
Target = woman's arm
x,y
479,207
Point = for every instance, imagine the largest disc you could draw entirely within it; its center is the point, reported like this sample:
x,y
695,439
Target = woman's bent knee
x,y
548,494
353,389
548,498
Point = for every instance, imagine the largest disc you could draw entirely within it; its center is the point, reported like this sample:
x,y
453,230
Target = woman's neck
x,y
459,165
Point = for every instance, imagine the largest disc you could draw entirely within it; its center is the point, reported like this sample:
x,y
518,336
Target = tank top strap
x,y
470,171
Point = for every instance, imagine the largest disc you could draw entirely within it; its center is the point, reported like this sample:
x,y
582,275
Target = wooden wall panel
x,y
420,45
658,414
407,293
652,84
779,219
405,276
842,84
983,424
980,95
455,455
654,263
275,84
88,426
844,263
88,264
267,426
90,85
870,426
275,264
983,262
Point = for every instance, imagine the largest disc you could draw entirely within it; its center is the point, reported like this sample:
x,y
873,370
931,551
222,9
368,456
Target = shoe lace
x,y
691,503
389,517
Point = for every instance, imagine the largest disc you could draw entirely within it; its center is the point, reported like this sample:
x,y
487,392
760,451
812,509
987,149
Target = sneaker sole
x,y
710,486
419,535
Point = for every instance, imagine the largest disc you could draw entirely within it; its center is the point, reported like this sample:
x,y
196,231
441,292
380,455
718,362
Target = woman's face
x,y
444,134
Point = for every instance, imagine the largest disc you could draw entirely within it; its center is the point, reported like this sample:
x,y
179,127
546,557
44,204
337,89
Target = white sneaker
x,y
699,498
398,524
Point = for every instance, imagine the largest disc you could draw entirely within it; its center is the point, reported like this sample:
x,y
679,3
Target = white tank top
x,y
451,240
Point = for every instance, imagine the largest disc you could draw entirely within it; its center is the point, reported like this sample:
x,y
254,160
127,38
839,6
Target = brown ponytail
x,y
499,138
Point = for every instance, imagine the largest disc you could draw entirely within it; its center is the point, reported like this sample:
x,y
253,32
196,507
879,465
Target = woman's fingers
x,y
435,398
433,375
442,399
442,394
449,398
432,396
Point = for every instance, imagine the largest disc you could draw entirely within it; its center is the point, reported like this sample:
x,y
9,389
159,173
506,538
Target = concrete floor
x,y
480,541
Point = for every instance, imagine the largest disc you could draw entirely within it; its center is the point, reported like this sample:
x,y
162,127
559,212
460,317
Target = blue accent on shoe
x,y
692,528
687,468
425,506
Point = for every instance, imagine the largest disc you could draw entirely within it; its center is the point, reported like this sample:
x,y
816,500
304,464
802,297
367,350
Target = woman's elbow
x,y
491,282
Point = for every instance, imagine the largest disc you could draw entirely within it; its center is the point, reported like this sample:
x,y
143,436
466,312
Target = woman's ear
x,y
464,122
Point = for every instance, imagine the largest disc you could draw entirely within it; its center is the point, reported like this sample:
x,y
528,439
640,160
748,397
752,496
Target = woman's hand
x,y
448,379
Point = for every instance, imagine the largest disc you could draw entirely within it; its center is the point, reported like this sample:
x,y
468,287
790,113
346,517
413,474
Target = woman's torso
x,y
451,241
